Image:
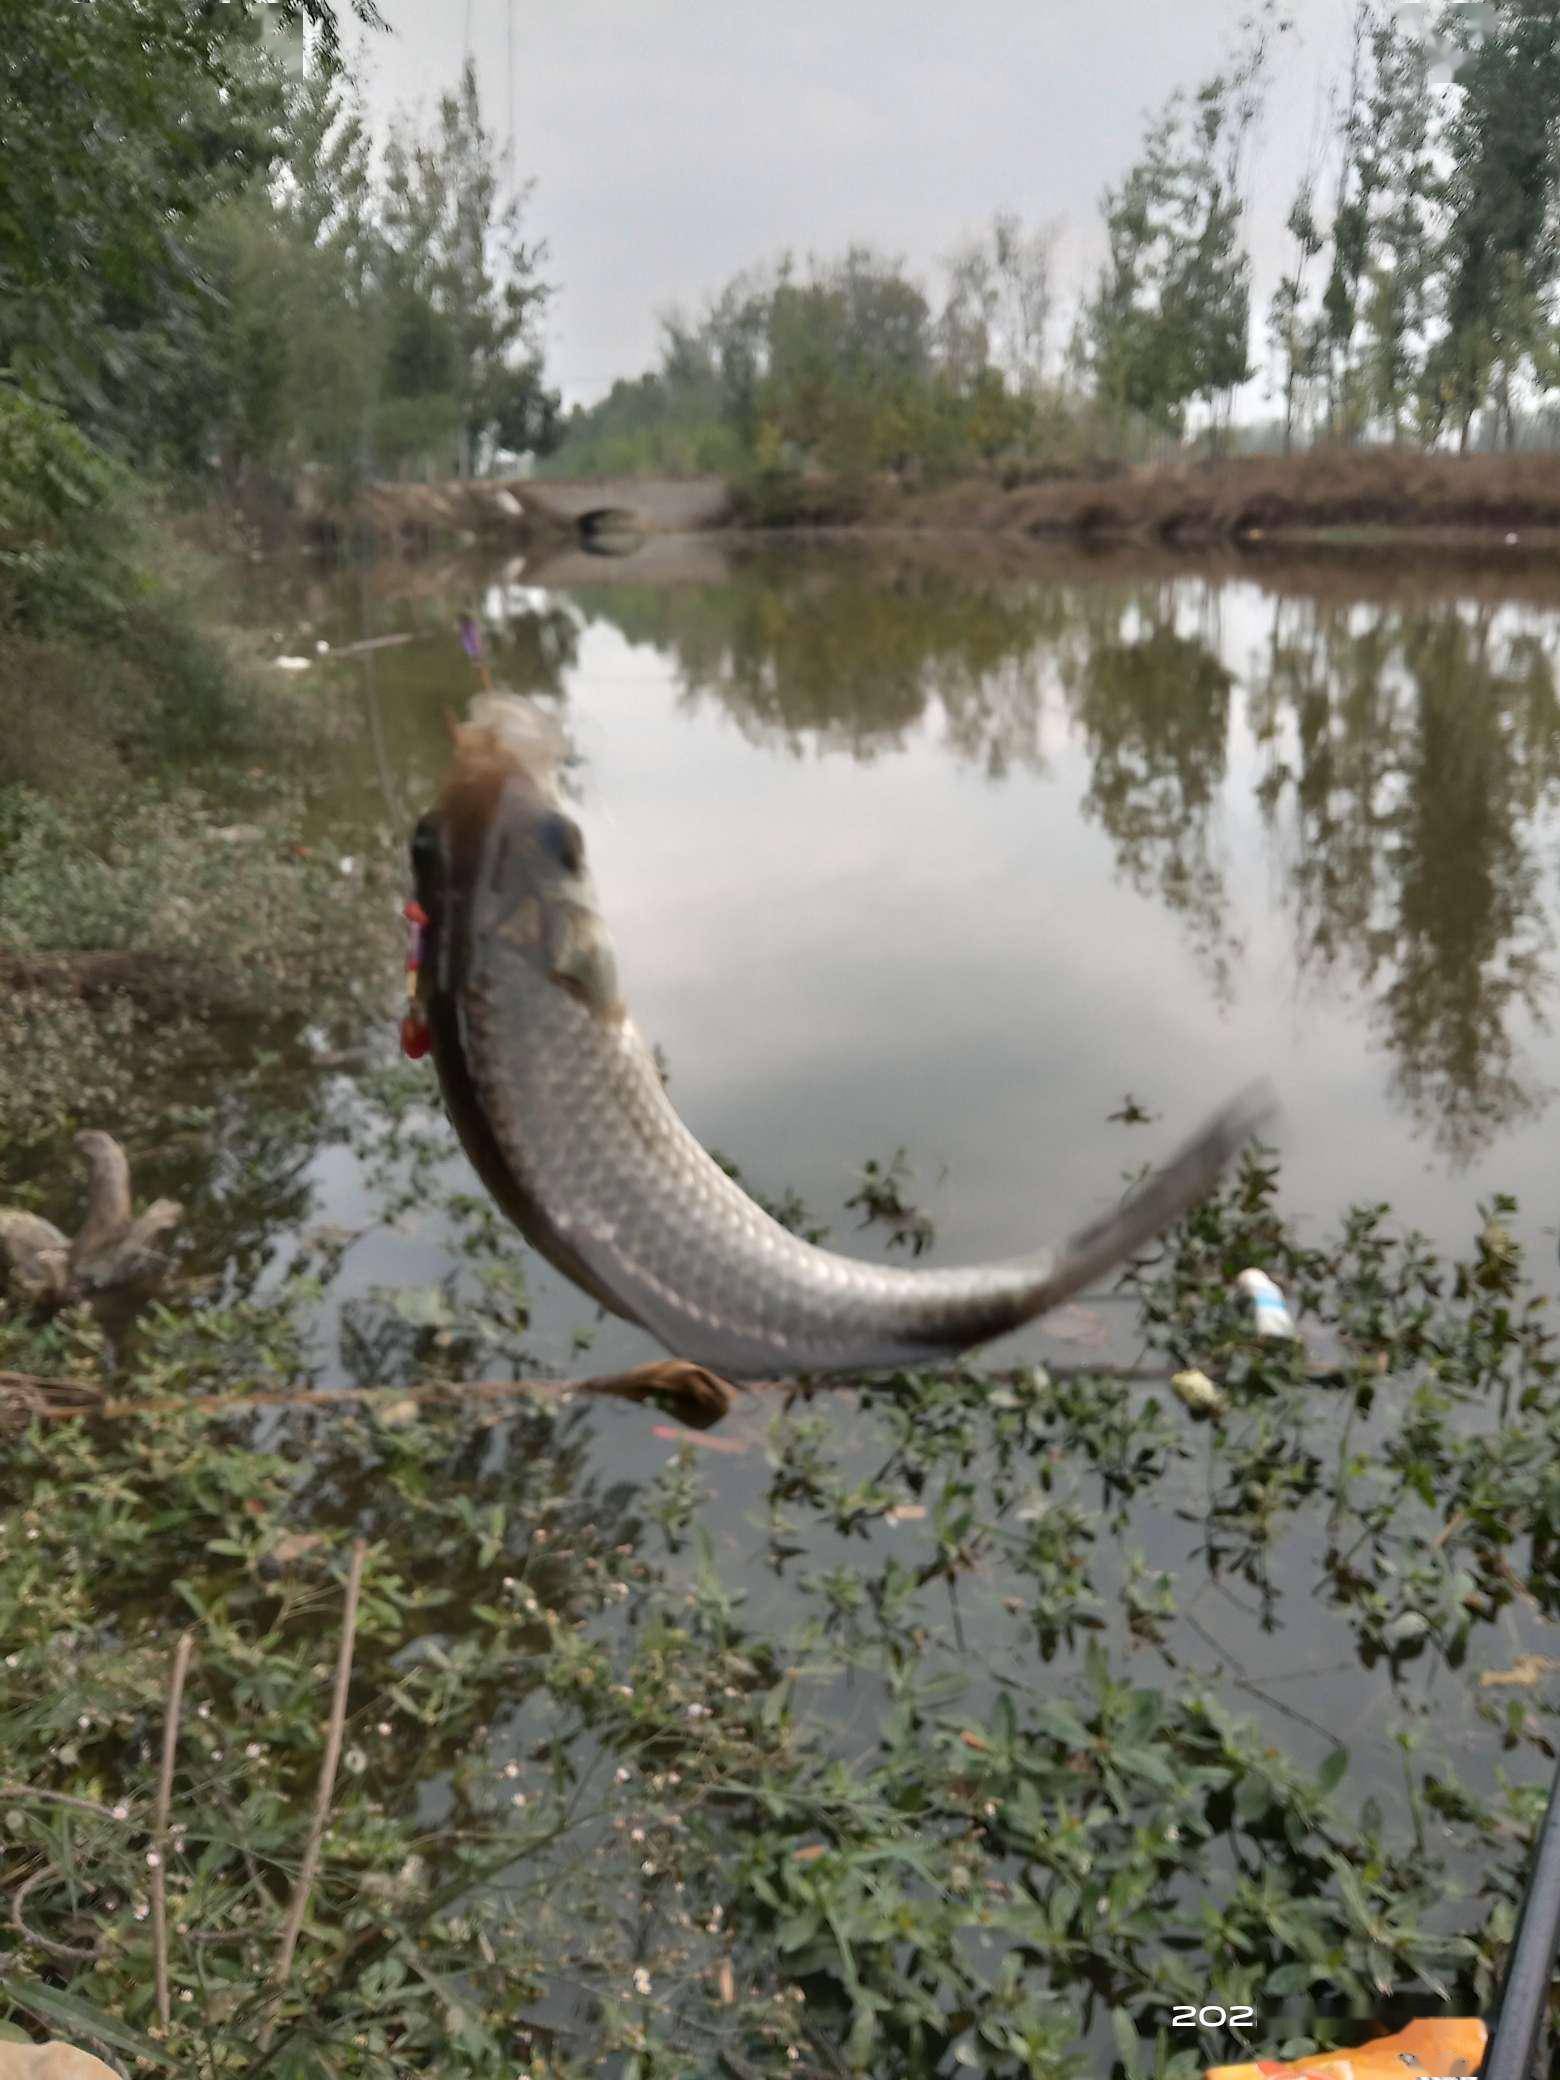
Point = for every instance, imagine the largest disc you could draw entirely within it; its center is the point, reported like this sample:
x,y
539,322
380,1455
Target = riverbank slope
x,y
1192,504
1324,494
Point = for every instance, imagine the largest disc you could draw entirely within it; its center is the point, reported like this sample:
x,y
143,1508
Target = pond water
x,y
965,850
902,850
923,847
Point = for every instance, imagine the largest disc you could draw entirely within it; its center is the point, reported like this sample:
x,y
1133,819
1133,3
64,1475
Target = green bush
x,y
61,564
104,658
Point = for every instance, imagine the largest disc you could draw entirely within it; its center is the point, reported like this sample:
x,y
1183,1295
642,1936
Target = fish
x,y
561,1109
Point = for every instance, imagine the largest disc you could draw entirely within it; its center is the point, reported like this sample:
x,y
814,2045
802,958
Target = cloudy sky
x,y
675,142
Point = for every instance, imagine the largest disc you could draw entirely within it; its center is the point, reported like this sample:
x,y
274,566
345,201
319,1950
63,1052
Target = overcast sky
x,y
675,142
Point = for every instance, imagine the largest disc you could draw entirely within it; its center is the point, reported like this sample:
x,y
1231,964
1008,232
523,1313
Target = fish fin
x,y
1163,1197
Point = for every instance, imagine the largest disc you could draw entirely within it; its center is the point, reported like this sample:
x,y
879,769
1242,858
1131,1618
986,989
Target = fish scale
x,y
558,1101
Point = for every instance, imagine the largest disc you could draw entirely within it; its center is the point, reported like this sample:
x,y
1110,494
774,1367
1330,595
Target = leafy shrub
x,y
61,563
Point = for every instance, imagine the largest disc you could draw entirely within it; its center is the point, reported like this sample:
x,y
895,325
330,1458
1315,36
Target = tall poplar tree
x,y
1503,144
1169,322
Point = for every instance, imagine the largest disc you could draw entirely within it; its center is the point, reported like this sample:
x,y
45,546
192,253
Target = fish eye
x,y
562,840
425,842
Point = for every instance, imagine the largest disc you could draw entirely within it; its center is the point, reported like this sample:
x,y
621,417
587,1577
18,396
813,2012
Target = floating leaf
x,y
1525,1671
704,1439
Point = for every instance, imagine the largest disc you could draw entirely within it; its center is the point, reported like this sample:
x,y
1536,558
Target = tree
x,y
849,353
1131,368
292,361
1351,240
463,284
1000,298
1169,321
1400,116
1503,142
1296,338
125,122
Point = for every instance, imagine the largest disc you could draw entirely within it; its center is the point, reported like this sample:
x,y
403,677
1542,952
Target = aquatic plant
x,y
947,1727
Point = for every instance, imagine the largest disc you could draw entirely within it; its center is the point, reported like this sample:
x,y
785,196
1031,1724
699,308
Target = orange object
x,y
1446,2047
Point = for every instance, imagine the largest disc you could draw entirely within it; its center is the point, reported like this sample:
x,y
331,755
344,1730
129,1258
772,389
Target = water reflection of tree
x,y
1153,705
1409,745
1425,743
841,659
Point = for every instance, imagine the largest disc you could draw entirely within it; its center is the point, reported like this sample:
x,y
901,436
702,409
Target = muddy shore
x,y
1344,498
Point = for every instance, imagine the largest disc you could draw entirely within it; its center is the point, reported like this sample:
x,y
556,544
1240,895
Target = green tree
x,y
464,286
124,122
1127,354
999,303
1351,239
1503,143
849,355
1169,321
1295,335
1401,272
290,365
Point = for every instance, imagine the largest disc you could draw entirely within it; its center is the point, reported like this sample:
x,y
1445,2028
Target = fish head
x,y
501,860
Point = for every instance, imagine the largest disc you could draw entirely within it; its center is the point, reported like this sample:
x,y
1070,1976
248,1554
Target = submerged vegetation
x,y
866,1735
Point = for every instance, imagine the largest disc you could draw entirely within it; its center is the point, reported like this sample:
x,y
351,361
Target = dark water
x,y
923,849
900,852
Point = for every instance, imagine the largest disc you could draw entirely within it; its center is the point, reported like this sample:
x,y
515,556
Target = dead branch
x,y
159,1857
695,1395
328,1763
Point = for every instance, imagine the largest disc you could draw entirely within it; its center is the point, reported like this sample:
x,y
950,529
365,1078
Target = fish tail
x,y
1162,1198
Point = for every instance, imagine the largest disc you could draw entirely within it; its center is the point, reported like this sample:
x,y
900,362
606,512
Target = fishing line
x,y
509,57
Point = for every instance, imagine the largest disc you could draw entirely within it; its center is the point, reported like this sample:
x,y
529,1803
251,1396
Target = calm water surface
x,y
899,852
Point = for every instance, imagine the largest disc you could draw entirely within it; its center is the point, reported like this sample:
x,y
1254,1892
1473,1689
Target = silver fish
x,y
559,1105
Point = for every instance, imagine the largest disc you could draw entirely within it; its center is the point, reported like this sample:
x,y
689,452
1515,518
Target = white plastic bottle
x,y
1270,1316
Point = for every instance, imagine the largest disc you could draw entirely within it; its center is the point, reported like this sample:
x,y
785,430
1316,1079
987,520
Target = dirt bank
x,y
1338,496
1441,500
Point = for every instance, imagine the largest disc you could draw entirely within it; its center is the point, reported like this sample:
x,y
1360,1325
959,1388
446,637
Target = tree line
x,y
1417,299
208,272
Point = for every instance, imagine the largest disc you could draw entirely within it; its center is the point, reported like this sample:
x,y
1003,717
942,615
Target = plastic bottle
x,y
1270,1316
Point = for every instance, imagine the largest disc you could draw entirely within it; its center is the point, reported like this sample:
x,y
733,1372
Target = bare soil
x,y
1325,494
1331,497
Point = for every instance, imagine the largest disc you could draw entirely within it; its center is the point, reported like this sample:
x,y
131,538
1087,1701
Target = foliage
x,y
461,284
1046,1826
1420,292
1504,183
1170,319
364,325
61,516
198,260
1439,290
844,370
1001,294
1295,337
123,123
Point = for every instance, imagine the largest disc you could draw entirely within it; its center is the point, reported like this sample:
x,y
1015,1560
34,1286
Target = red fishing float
x,y
415,1037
